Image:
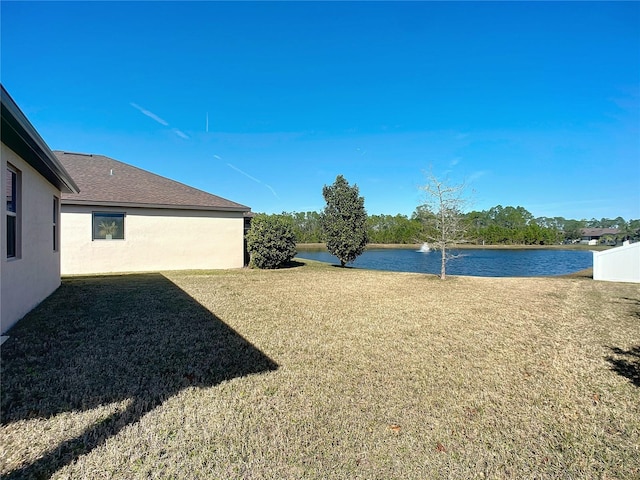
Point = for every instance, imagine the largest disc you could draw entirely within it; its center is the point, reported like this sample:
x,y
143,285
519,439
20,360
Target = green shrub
x,y
271,241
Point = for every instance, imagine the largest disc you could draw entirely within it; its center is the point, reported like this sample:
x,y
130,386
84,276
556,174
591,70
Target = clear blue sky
x,y
533,104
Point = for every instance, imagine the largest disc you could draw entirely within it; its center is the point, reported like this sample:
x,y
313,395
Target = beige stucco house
x,y
33,180
126,219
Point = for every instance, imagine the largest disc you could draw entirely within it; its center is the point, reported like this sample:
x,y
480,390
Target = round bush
x,y
271,241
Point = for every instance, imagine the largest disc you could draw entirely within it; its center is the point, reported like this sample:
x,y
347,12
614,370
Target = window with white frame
x,y
108,226
12,191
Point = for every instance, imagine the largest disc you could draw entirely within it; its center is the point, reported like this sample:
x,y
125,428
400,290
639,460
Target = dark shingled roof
x,y
598,232
108,182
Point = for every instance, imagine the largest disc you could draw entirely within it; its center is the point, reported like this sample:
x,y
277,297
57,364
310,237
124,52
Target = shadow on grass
x,y
292,264
587,273
636,305
626,363
100,340
284,266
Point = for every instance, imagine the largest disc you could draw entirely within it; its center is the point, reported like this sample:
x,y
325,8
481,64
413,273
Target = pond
x,y
470,262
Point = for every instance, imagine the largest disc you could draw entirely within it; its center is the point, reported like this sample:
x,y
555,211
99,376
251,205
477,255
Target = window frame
x,y
95,237
56,223
14,176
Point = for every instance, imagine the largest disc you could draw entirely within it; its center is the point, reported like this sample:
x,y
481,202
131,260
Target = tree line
x,y
496,226
346,228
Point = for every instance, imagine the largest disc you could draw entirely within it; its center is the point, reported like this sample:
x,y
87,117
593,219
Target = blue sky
x,y
532,104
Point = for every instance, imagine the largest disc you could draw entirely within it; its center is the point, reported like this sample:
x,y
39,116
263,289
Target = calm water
x,y
479,263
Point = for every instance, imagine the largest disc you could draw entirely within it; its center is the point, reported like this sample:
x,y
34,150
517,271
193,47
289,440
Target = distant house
x,y
126,219
593,236
33,180
620,264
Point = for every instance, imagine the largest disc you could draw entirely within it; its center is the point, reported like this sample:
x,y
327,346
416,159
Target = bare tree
x,y
442,215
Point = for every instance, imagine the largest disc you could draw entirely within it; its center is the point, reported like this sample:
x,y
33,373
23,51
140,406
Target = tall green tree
x,y
344,220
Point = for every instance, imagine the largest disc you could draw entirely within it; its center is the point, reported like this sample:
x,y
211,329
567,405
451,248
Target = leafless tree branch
x,y
442,214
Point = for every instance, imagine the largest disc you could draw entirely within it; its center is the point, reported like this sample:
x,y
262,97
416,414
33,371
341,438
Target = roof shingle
x,y
598,232
105,181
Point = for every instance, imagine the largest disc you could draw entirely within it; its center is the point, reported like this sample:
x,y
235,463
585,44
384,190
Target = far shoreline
x,y
416,246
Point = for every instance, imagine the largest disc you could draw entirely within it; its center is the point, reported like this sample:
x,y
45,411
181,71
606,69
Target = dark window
x,y
56,214
12,234
108,226
11,190
12,212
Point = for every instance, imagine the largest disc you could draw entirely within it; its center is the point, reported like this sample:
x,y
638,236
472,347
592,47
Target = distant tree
x,y
271,241
553,229
344,220
633,229
513,225
619,223
477,224
421,214
573,229
593,223
306,226
393,229
443,217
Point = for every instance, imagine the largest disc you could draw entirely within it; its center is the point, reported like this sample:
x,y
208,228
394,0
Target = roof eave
x,y
21,136
96,203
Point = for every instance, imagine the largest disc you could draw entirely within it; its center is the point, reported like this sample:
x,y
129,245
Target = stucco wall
x,y
155,239
29,279
620,264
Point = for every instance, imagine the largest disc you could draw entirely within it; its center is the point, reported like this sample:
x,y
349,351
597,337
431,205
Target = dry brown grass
x,y
322,372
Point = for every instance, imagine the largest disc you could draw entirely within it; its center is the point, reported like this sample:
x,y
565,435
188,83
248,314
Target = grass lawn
x,y
321,372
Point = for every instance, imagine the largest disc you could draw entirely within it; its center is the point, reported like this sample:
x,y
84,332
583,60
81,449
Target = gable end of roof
x,y
20,136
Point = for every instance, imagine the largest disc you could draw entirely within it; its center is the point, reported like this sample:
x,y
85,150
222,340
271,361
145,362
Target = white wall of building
x,y
155,239
620,264
28,279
